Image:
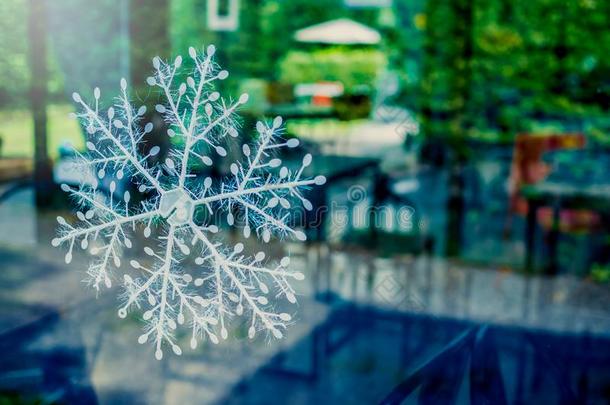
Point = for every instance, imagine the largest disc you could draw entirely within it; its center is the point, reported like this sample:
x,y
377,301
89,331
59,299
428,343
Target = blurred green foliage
x,y
505,66
600,273
485,69
16,128
355,68
14,60
13,47
265,34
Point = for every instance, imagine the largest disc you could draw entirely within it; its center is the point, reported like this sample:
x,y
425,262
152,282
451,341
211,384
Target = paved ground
x,y
64,327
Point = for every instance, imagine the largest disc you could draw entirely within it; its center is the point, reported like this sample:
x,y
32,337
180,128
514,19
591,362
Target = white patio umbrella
x,y
341,32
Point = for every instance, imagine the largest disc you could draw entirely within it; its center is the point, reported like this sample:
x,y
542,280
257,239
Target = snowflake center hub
x,y
181,213
176,206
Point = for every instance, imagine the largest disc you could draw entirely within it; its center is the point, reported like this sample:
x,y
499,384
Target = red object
x,y
529,168
322,101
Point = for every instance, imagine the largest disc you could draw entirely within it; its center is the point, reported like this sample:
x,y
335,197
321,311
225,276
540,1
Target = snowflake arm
x,y
99,222
263,196
206,122
116,137
244,278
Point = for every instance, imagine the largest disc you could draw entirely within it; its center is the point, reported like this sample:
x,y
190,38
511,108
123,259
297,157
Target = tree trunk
x,y
149,37
449,46
37,24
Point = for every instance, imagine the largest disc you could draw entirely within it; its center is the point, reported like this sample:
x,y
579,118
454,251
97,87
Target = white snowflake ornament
x,y
225,281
